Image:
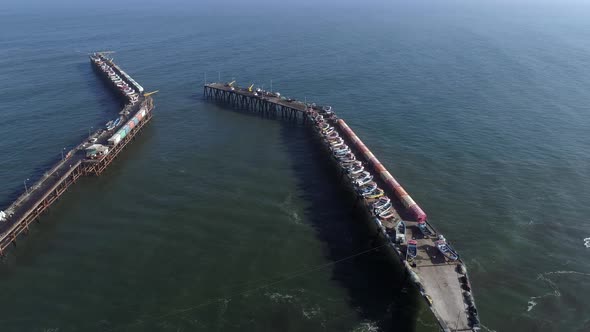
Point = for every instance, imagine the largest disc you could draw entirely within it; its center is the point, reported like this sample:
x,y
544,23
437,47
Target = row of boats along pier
x,y
434,267
90,157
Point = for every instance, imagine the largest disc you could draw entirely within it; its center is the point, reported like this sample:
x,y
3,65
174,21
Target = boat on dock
x,y
425,229
341,150
327,110
378,192
381,203
354,169
363,180
349,157
367,188
412,250
332,135
400,232
386,215
446,249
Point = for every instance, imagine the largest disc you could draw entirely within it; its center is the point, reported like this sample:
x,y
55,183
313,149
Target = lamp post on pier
x,y
26,189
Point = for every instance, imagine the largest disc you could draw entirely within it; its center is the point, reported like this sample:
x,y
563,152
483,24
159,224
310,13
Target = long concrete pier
x,y
427,257
90,157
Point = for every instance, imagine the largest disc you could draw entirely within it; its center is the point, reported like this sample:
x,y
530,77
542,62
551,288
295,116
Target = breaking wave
x,y
554,289
366,326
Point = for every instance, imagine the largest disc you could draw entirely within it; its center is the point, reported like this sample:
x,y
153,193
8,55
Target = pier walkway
x,y
80,161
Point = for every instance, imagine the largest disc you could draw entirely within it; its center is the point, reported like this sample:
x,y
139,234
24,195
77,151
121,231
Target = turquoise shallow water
x,y
205,221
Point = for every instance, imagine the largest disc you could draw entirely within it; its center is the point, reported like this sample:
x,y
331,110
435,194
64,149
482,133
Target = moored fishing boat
x,y
363,180
347,165
374,191
446,249
346,158
424,229
412,250
382,207
358,175
385,211
109,125
341,151
336,143
378,192
332,135
400,232
354,169
367,188
387,215
381,202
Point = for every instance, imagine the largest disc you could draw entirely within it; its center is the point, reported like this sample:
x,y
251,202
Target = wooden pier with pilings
x,y
429,261
39,197
266,103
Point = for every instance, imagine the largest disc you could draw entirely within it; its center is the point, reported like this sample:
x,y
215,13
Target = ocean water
x,y
215,220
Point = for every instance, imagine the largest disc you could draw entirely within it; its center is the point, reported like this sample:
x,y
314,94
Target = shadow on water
x,y
377,287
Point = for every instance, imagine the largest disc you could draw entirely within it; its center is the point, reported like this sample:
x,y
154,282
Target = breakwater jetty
x,y
428,258
89,158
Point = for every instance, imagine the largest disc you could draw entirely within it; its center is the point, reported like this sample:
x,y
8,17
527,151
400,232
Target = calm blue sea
x,y
214,220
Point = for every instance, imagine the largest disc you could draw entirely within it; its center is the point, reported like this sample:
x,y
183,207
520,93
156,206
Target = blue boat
x,y
400,232
446,249
113,124
401,227
423,227
412,250
366,189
